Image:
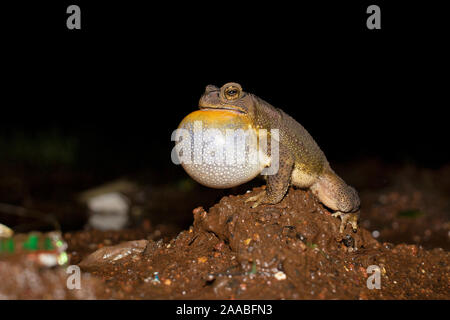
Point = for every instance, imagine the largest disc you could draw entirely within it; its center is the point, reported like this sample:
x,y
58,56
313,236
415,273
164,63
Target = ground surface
x,y
292,250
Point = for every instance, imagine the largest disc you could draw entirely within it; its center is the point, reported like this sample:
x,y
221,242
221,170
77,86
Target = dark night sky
x,y
125,81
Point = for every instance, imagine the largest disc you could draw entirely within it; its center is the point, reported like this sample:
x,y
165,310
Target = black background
x,y
124,81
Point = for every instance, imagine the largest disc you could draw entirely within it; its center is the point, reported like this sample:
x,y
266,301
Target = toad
x,y
301,162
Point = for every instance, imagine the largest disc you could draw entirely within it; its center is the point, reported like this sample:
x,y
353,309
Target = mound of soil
x,y
292,250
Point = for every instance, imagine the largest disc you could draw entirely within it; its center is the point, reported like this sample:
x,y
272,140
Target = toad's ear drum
x,y
219,148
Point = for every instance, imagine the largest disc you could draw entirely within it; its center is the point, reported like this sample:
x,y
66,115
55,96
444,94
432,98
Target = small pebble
x,y
280,275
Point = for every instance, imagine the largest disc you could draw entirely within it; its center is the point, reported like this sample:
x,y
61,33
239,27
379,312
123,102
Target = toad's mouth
x,y
226,108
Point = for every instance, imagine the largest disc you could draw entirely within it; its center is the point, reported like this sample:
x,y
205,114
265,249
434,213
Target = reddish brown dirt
x,y
233,252
292,250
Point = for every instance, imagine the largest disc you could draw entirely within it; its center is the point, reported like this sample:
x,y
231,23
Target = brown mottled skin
x,y
302,163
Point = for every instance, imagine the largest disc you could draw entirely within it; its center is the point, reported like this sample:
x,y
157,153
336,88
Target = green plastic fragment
x,y
10,245
7,245
311,245
253,268
63,258
48,244
31,243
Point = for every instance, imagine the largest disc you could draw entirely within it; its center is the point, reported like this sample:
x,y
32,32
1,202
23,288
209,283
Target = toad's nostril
x,y
210,88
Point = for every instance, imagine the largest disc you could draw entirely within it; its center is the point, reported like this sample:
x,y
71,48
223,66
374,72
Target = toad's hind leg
x,y
334,193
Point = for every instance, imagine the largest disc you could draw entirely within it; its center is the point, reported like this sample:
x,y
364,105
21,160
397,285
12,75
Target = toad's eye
x,y
232,93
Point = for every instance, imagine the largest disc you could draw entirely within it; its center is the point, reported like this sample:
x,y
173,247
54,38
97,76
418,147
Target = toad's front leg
x,y
277,184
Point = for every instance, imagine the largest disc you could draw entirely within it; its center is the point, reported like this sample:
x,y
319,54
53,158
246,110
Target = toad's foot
x,y
347,217
258,199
